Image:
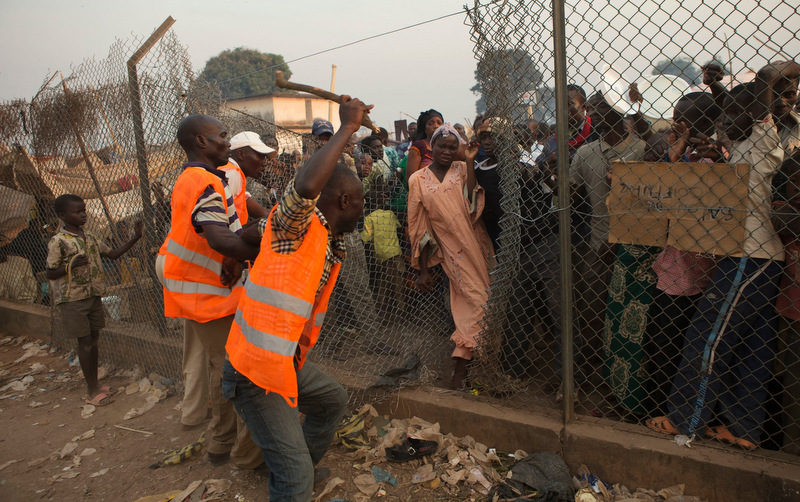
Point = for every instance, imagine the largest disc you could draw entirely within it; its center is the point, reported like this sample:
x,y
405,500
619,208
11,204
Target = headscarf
x,y
444,131
423,119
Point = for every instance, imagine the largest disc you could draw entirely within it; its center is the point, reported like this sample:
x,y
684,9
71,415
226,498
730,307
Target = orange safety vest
x,y
280,313
240,199
192,286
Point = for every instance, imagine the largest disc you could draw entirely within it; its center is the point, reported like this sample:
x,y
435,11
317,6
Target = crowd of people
x,y
690,341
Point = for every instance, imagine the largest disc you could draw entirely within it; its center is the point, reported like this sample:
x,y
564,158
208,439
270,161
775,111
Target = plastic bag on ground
x,y
542,472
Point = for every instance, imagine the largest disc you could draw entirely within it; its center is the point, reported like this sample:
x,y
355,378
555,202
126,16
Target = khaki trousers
x,y
203,363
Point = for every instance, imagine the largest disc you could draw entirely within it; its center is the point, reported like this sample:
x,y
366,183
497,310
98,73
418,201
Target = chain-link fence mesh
x,y
77,136
677,268
368,330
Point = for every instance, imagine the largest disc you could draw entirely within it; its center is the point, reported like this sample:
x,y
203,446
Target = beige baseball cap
x,y
251,139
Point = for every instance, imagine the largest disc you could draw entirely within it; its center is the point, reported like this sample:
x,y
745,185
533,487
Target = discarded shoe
x,y
410,449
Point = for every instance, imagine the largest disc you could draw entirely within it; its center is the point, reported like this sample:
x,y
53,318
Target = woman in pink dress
x,y
444,207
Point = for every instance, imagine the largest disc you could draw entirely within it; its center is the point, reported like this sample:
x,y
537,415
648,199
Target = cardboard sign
x,y
693,206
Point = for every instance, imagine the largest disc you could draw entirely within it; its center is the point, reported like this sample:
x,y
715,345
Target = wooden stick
x,y
333,86
45,85
730,59
108,124
151,41
281,82
148,433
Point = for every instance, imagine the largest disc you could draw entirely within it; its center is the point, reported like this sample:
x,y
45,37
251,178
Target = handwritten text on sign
x,y
693,206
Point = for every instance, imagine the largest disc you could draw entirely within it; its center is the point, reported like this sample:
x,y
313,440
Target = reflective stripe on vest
x,y
198,259
278,299
266,341
280,312
187,287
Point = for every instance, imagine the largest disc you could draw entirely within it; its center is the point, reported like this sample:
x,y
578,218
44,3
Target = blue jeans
x,y
728,350
290,450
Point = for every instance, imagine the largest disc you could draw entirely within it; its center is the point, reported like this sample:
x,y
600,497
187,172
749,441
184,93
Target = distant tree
x,y
480,104
680,66
515,65
244,72
544,107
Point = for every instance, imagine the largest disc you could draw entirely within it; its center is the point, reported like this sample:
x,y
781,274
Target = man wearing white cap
x,y
248,157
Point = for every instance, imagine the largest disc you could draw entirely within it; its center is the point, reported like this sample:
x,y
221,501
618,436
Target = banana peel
x,y
352,433
175,457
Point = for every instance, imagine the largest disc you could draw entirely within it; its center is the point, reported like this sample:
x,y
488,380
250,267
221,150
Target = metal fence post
x,y
562,134
138,132
138,124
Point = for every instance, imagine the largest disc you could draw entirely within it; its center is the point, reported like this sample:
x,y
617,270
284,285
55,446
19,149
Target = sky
x,y
403,73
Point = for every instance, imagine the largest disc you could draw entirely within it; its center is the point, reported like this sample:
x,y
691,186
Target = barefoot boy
x,y
74,266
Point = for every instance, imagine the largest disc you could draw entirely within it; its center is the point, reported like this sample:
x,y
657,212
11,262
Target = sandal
x,y
101,399
410,449
721,433
662,425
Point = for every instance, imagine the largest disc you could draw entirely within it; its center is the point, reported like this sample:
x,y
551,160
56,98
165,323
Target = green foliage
x,y
516,65
243,72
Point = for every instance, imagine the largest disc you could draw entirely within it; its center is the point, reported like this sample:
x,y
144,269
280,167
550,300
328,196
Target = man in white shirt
x,y
248,157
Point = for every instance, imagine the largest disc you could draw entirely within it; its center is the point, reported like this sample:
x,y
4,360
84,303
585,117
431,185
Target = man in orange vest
x,y
203,240
248,155
268,375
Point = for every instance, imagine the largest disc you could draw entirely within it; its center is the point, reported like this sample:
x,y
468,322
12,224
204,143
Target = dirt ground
x,y
112,463
54,447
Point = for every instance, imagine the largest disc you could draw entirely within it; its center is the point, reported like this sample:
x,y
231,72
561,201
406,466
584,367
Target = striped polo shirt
x,y
210,208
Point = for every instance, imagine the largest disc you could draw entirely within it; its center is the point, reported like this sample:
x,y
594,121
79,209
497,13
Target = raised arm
x,y
120,250
640,124
314,174
712,77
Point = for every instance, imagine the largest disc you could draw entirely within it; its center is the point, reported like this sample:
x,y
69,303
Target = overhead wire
x,y
444,16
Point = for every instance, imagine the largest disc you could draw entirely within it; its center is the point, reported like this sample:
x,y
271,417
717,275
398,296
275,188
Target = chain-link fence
x,y
684,308
78,135
370,339
655,199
